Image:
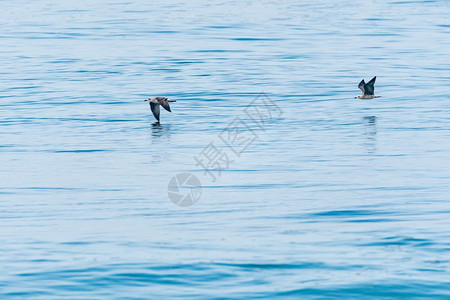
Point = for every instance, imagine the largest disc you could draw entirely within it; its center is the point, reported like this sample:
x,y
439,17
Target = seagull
x,y
156,102
367,89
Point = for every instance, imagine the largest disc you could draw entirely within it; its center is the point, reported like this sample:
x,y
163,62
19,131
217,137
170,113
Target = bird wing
x,y
361,85
164,103
370,89
155,110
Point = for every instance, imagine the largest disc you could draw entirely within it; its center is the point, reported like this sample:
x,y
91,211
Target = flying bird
x,y
367,89
156,102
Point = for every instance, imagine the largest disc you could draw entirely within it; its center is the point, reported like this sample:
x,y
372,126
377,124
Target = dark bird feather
x,y
155,110
164,103
369,88
361,85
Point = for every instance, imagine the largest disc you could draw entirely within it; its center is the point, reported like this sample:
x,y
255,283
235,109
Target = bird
x,y
367,89
156,102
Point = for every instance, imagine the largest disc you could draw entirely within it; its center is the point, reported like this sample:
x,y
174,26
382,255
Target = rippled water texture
x,y
334,198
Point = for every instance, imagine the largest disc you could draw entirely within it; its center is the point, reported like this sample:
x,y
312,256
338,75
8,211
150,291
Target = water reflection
x,y
160,135
160,132
370,131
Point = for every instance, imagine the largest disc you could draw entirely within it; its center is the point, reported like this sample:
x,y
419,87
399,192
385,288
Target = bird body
x,y
368,89
156,102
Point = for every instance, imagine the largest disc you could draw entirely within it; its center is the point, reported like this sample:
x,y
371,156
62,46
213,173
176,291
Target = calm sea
x,y
328,197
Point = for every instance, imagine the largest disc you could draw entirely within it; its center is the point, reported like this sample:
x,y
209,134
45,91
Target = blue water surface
x,y
332,198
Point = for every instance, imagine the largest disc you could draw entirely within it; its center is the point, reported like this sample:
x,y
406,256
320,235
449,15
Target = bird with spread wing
x,y
156,102
368,89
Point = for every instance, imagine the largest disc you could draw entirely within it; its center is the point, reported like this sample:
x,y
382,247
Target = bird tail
x,y
171,100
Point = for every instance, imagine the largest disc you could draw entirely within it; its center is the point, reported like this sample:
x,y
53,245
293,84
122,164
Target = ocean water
x,y
330,197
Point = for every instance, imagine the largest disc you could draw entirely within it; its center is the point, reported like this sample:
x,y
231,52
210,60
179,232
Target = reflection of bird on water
x,y
160,137
371,120
368,89
159,130
156,102
370,123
